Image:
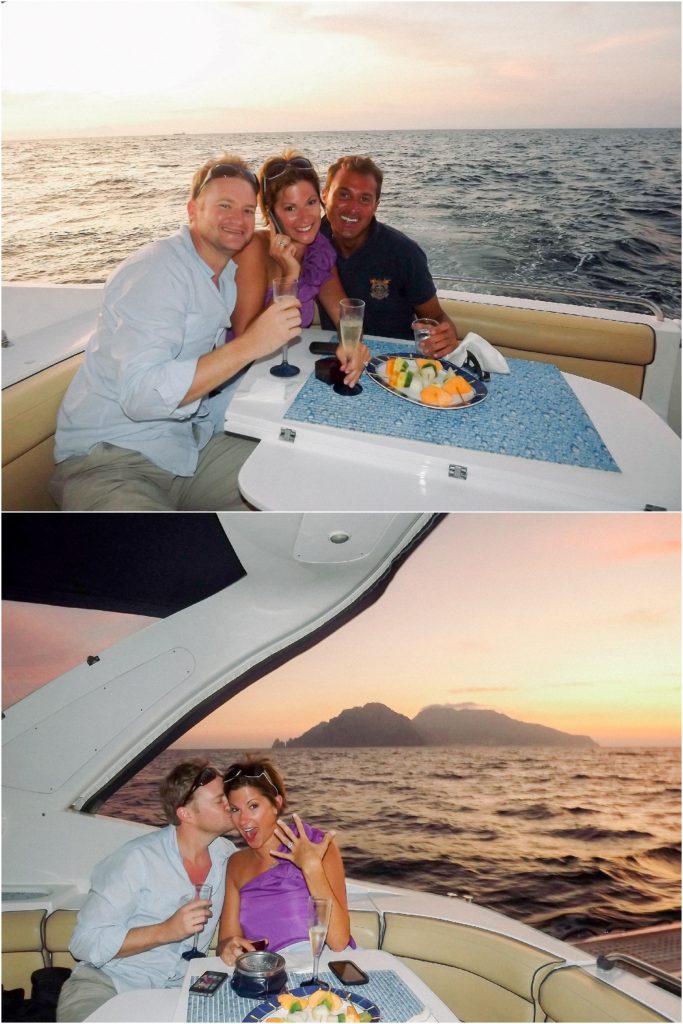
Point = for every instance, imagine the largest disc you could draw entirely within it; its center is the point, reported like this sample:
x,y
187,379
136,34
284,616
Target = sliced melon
x,y
323,997
293,1004
432,395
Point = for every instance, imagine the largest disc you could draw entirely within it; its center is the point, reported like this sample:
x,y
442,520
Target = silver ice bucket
x,y
259,974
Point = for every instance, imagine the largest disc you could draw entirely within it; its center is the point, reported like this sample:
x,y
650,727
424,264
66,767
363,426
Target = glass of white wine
x,y
319,913
282,288
351,313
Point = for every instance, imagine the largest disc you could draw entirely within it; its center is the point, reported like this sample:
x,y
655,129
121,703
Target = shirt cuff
x,y
105,947
173,387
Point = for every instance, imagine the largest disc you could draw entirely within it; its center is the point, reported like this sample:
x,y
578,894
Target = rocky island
x,y
439,725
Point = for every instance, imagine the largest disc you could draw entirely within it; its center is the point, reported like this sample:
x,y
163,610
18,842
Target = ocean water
x,y
575,842
580,208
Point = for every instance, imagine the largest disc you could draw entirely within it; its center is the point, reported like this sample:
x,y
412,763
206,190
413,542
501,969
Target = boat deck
x,y
659,946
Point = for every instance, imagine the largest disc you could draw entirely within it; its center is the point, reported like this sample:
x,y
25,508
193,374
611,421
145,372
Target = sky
x,y
567,620
148,67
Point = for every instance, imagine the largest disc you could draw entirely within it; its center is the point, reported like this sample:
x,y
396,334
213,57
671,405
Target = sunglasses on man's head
x,y
247,773
202,778
230,171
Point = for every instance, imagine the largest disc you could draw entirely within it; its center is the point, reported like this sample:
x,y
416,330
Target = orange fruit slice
x,y
458,386
433,395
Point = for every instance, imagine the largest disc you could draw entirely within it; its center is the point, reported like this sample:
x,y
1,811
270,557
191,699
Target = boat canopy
x,y
142,563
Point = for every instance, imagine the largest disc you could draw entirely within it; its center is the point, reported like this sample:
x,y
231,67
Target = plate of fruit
x,y
315,1004
434,383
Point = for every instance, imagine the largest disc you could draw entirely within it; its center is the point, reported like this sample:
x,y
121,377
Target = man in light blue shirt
x,y
138,428
141,915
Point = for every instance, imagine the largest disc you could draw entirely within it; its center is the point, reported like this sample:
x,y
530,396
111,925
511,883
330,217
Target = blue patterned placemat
x,y
530,412
385,988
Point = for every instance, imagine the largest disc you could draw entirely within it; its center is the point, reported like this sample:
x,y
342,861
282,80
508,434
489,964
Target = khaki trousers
x,y
83,993
110,478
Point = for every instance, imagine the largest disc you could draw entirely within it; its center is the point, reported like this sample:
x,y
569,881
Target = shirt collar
x,y
229,270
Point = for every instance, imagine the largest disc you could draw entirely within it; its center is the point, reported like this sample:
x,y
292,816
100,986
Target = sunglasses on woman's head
x,y
202,778
247,773
230,171
278,168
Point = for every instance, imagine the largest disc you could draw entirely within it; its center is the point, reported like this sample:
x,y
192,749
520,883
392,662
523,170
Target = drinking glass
x,y
351,313
422,329
319,912
282,288
201,892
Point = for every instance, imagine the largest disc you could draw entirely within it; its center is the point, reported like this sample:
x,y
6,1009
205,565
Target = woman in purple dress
x,y
269,882
291,246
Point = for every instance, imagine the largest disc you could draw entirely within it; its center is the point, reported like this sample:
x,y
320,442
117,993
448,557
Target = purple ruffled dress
x,y
273,905
316,268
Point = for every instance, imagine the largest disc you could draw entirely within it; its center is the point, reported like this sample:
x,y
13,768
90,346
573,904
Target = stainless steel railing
x,y
606,961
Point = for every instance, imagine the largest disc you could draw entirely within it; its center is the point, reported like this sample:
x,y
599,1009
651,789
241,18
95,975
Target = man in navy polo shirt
x,y
377,263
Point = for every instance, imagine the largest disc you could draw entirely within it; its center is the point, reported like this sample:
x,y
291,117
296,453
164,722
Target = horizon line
x,y
340,131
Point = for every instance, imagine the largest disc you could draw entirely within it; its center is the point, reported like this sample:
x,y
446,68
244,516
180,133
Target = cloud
x,y
626,40
483,689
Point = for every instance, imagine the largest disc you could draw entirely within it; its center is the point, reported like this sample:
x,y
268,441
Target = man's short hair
x,y
359,164
199,176
174,788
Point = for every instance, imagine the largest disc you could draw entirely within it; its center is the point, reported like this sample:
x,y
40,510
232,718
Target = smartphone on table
x,y
347,972
208,983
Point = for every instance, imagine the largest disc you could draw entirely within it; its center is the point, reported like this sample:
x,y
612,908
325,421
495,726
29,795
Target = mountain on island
x,y
374,725
439,725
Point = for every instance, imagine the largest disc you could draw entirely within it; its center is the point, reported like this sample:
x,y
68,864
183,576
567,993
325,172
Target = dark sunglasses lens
x,y
205,776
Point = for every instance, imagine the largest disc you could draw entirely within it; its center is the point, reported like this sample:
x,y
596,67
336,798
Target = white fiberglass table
x,y
302,465
172,1004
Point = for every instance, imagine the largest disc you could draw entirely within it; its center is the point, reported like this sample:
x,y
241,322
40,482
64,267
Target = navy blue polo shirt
x,y
390,273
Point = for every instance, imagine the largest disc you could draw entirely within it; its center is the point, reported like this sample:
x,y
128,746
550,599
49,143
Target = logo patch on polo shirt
x,y
379,287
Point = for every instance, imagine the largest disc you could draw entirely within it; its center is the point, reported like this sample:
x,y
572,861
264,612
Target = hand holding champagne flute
x,y
351,313
201,892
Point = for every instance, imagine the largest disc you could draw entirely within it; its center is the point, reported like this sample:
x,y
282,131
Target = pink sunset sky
x,y
202,67
571,621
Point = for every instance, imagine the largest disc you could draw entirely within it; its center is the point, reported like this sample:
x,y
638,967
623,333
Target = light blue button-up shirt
x,y
161,311
144,883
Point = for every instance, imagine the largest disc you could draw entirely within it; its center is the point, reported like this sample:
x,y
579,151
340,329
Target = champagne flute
x,y
201,892
282,288
351,331
319,913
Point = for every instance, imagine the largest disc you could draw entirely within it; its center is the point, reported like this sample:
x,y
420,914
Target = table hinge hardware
x,y
654,508
457,472
287,434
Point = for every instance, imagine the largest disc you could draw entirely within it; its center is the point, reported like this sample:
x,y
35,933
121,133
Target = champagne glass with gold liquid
x,y
351,313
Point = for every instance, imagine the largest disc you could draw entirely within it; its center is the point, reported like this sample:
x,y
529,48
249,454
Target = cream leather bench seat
x,y
29,420
22,947
59,928
31,940
608,351
365,928
480,975
569,994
